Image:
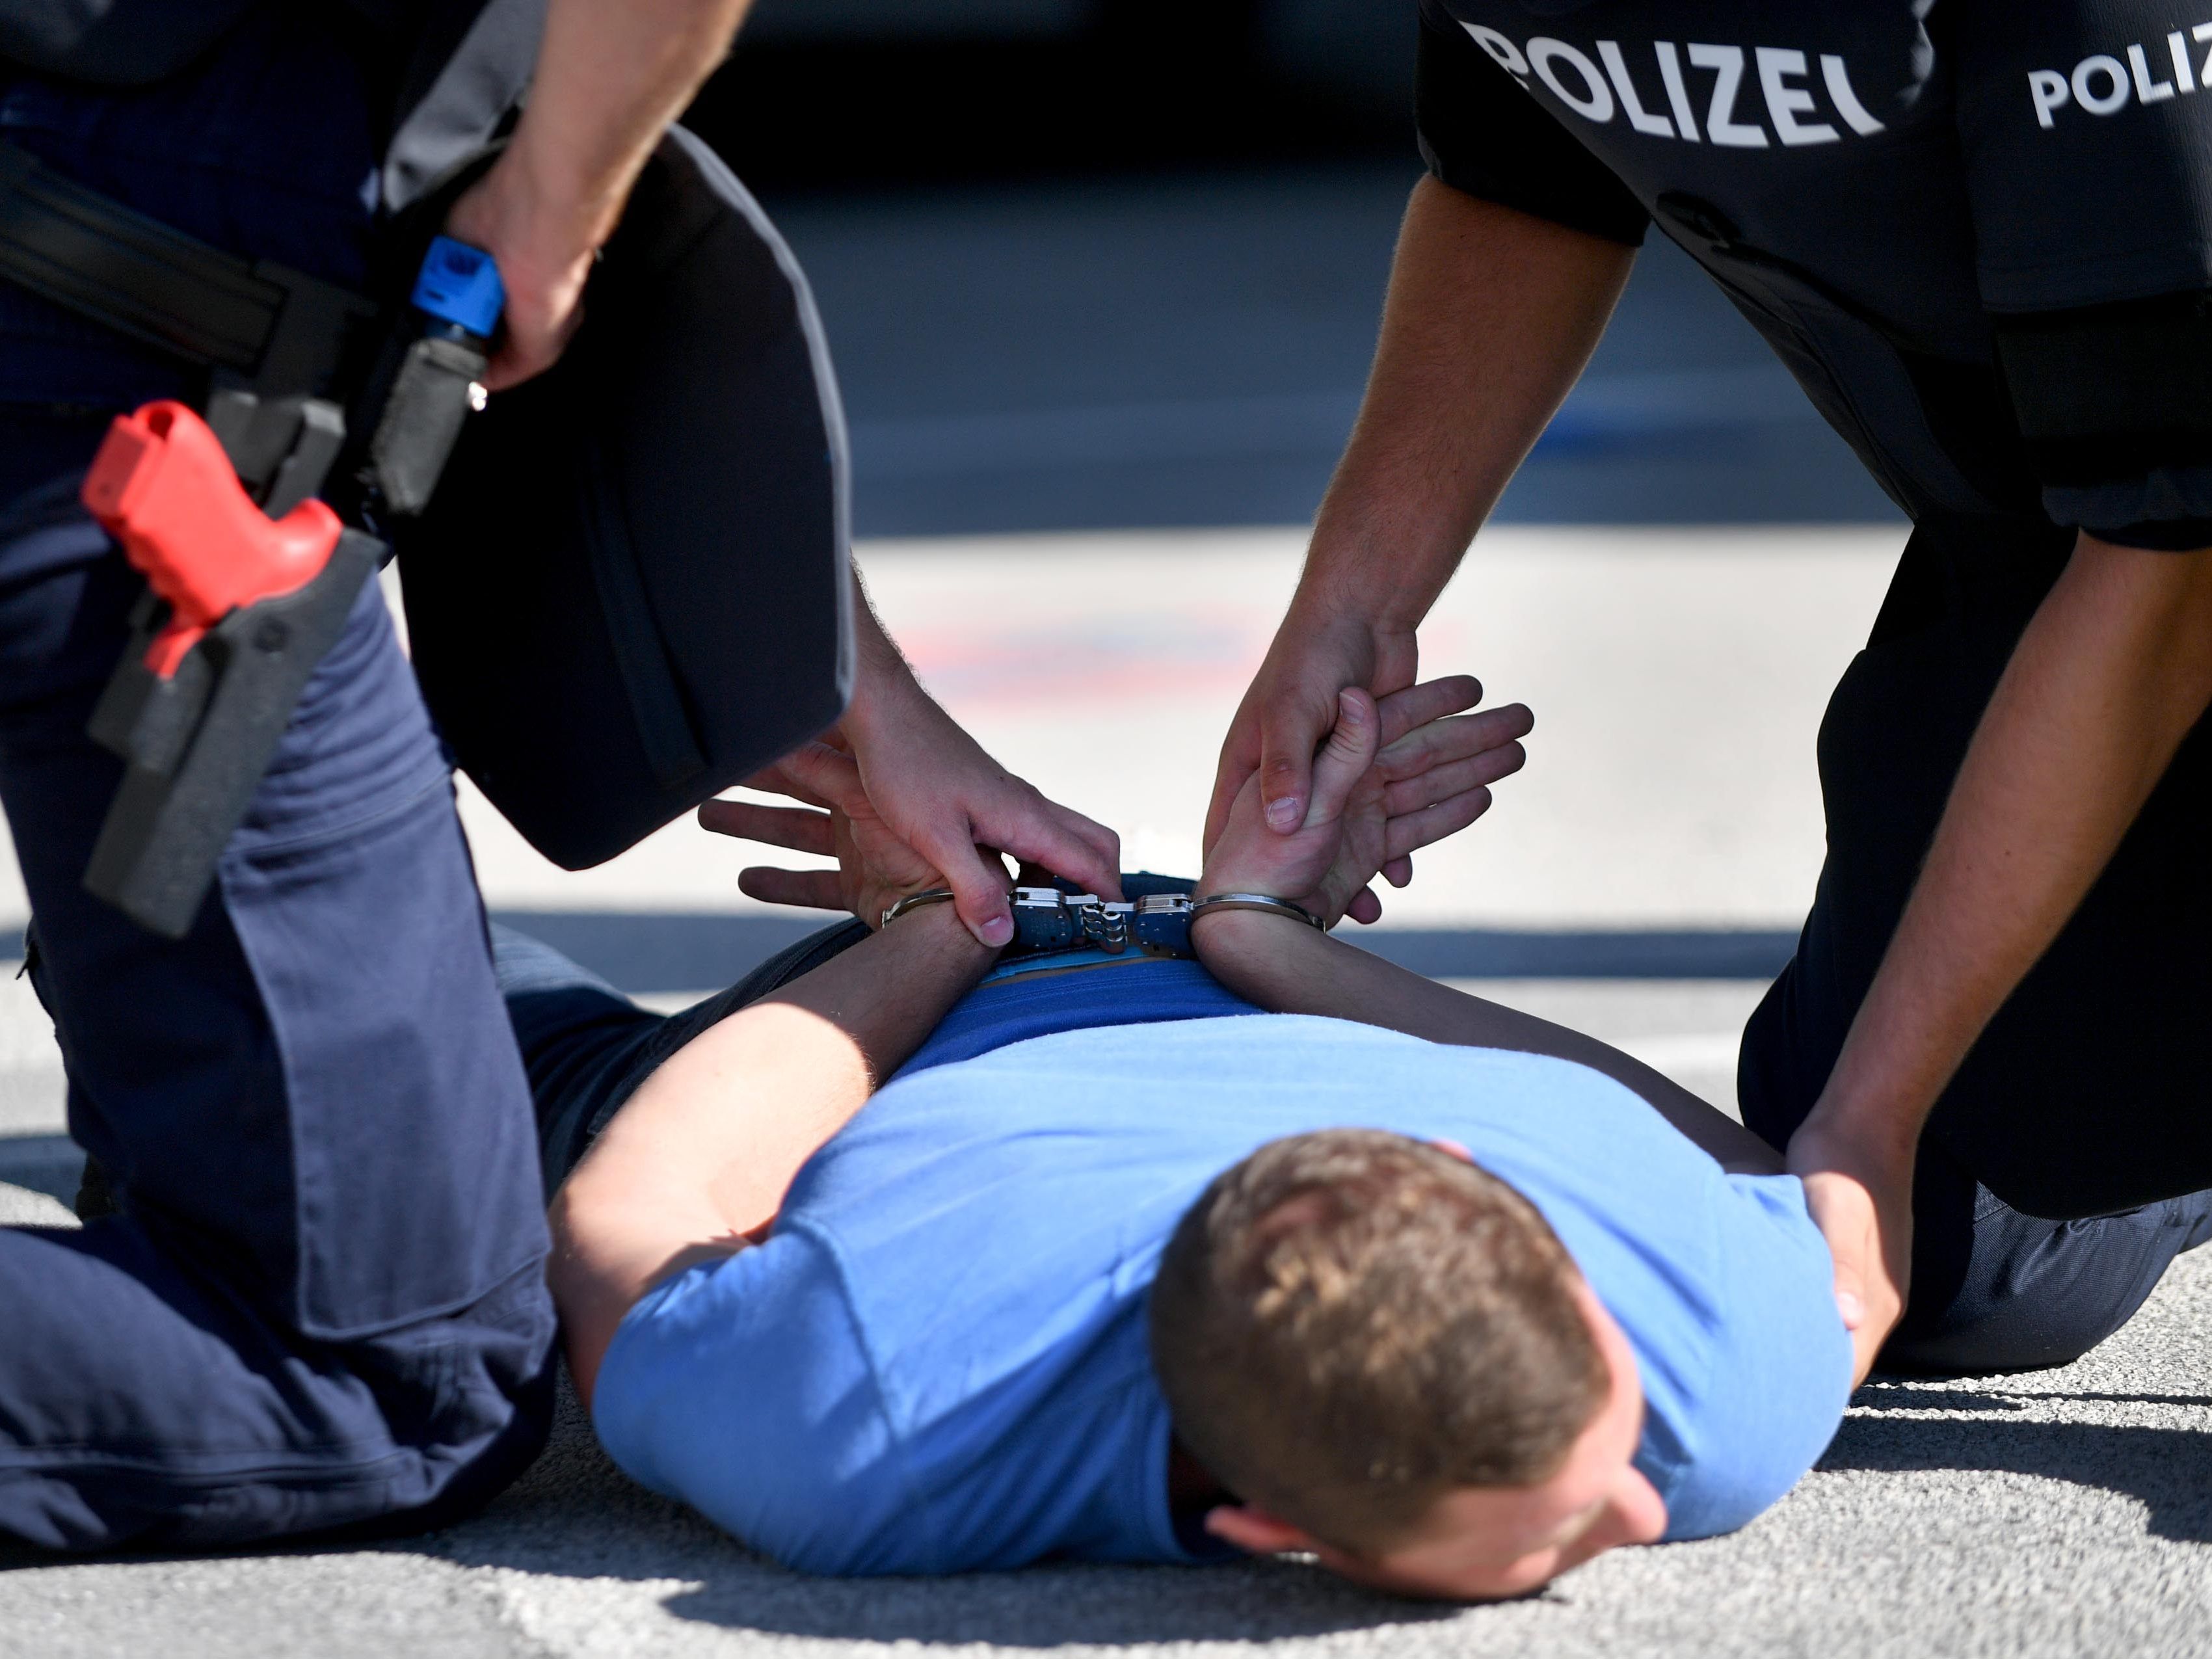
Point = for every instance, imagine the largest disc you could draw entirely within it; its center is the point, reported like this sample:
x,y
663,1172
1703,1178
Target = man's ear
x,y
1258,1533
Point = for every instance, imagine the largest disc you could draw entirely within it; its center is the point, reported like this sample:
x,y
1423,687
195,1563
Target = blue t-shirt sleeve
x,y
743,1388
1781,1373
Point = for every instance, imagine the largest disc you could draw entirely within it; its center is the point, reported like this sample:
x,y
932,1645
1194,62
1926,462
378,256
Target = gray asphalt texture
x,y
2063,1512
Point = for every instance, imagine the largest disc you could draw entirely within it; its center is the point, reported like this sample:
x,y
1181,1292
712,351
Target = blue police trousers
x,y
321,1305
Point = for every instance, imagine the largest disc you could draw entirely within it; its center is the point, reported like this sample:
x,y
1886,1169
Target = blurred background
x,y
1102,280
1090,263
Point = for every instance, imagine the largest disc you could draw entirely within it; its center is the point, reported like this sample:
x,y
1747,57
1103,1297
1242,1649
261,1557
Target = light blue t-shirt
x,y
938,1361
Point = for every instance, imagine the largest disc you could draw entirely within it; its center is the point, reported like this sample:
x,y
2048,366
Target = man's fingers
x,y
829,774
1432,700
1444,740
795,827
1441,783
1411,831
810,889
1364,909
1399,872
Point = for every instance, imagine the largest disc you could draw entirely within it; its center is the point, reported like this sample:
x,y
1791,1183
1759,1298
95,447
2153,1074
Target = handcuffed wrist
x,y
1262,903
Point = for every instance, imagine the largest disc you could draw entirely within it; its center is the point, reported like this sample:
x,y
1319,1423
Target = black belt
x,y
275,326
274,338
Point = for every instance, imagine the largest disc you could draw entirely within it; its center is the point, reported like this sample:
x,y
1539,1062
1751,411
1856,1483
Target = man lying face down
x,y
1130,1259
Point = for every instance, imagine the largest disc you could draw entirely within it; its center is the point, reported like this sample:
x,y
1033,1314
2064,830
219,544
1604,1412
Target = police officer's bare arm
x,y
2110,675
610,79
1490,316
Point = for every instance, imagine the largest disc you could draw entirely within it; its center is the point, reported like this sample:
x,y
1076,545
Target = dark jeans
x,y
321,1303
2069,1161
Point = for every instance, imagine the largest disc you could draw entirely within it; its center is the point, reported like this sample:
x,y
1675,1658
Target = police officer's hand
x,y
1391,778
875,867
608,82
1292,707
1859,1194
934,786
545,256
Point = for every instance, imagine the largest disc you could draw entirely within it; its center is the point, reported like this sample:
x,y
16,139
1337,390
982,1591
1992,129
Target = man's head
x,y
1387,1353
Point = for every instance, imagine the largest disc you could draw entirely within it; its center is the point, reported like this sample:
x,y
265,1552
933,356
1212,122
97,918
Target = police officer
x,y
321,1305
1980,237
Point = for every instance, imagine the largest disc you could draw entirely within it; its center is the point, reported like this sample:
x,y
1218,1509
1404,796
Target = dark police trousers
x,y
2069,1162
322,1303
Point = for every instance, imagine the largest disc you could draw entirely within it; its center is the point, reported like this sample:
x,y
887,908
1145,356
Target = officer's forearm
x,y
2110,675
884,685
1490,316
610,79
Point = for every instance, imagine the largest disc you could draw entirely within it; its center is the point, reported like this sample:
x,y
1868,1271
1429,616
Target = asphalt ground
x,y
1026,356
1677,675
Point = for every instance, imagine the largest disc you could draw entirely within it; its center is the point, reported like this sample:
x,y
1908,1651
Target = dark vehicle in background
x,y
827,92
1359,52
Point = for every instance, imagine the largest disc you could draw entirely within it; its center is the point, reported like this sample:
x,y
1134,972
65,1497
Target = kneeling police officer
x,y
319,1304
1978,236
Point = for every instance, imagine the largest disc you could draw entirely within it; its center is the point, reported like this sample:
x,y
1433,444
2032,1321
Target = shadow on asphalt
x,y
2168,1470
574,1514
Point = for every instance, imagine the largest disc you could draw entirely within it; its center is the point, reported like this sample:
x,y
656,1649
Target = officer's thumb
x,y
1344,758
1286,771
979,894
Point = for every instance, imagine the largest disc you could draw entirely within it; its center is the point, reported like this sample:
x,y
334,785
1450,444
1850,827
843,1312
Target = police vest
x,y
1979,233
466,64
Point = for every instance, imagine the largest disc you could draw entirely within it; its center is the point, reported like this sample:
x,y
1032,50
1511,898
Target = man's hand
x,y
875,867
1391,778
1292,707
932,784
1861,1198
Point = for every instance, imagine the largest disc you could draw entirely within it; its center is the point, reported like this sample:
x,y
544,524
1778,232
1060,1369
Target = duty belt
x,y
251,579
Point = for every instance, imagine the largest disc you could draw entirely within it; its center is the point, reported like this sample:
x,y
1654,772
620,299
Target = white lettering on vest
x,y
1678,91
1777,66
2103,84
1504,52
1595,103
1721,125
2117,89
1643,121
1594,89
2150,91
1834,71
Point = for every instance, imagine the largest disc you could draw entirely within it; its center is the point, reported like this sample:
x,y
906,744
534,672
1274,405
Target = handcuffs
x,y
1047,920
